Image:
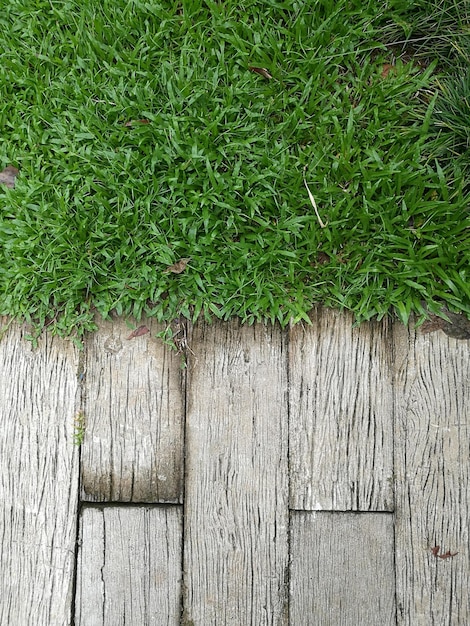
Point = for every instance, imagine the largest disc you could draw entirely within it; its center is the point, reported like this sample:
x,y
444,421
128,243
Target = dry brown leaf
x,y
177,267
262,71
138,332
447,555
388,68
8,176
435,550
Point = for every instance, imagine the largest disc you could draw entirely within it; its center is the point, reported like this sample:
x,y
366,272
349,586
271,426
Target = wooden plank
x,y
342,569
432,467
129,566
341,414
236,499
39,476
134,408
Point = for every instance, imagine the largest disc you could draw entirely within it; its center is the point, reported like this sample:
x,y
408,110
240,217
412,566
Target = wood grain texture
x,y
129,566
341,414
134,408
39,477
342,569
432,467
236,499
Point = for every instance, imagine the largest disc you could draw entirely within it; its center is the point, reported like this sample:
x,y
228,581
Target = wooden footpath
x,y
316,476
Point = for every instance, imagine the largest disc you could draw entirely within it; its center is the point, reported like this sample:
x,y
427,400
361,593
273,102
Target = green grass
x,y
430,29
439,30
105,202
452,119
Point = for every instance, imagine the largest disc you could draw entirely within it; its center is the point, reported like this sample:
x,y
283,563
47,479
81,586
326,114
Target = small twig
x,y
314,204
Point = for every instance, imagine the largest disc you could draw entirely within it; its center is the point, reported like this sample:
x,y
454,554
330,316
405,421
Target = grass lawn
x,y
163,171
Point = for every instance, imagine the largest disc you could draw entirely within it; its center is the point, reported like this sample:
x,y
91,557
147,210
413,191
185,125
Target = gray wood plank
x,y
134,408
129,566
432,467
236,498
342,569
39,477
341,414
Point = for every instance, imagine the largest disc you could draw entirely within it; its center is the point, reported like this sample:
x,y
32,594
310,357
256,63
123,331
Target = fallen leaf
x,y
177,267
138,332
447,555
8,176
387,68
262,71
132,122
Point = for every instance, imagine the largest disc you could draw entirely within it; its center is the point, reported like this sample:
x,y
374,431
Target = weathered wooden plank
x,y
39,477
341,414
129,566
236,498
342,569
134,409
432,476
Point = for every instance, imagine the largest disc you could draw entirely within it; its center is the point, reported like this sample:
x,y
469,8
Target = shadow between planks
x,y
295,477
